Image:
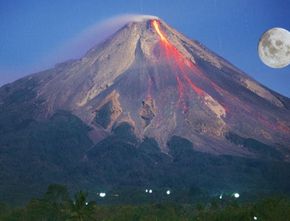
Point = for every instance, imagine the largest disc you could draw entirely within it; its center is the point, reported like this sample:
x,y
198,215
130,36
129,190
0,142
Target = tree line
x,y
57,205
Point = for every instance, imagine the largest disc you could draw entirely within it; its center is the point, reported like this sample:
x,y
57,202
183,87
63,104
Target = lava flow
x,y
155,24
181,63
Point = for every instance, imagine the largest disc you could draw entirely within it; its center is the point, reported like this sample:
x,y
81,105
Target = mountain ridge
x,y
145,98
81,82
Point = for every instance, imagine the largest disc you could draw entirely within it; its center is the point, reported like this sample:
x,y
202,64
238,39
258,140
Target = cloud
x,y
73,48
93,35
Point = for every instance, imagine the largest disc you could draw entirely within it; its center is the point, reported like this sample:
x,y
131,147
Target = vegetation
x,y
56,205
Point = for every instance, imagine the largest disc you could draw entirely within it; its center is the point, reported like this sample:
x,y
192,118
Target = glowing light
x,y
168,192
193,86
146,191
87,203
155,24
180,59
182,67
150,191
236,195
102,195
255,218
221,196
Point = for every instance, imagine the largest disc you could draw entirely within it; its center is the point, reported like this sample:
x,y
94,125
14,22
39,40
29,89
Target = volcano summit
x,y
146,107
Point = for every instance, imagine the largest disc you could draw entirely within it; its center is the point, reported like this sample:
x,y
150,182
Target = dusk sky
x,y
34,33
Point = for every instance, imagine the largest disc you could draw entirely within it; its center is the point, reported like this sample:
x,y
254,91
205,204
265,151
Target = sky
x,y
34,35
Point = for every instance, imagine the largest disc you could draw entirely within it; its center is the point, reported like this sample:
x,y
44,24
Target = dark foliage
x,y
56,206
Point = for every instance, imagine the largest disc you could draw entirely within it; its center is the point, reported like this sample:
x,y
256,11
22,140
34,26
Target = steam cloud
x,y
75,47
94,35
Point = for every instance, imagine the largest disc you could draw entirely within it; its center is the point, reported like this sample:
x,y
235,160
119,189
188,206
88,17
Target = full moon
x,y
274,48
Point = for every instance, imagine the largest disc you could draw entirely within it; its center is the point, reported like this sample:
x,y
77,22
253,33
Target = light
x,y
221,196
146,191
150,191
155,24
102,195
168,192
255,218
87,203
236,195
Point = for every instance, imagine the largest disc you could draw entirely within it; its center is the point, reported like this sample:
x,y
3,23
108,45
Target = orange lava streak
x,y
197,90
181,94
173,53
155,24
182,65
180,60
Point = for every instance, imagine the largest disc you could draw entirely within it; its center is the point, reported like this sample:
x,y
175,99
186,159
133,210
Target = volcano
x,y
148,106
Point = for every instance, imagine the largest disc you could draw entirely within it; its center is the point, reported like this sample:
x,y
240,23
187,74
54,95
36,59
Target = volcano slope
x,y
147,107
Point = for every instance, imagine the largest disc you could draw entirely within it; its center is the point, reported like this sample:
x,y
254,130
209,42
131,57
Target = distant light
x,y
146,190
150,191
87,203
236,195
221,196
168,192
102,195
255,218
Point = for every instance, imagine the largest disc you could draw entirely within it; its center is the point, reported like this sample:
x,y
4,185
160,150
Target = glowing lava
x,y
180,65
155,24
